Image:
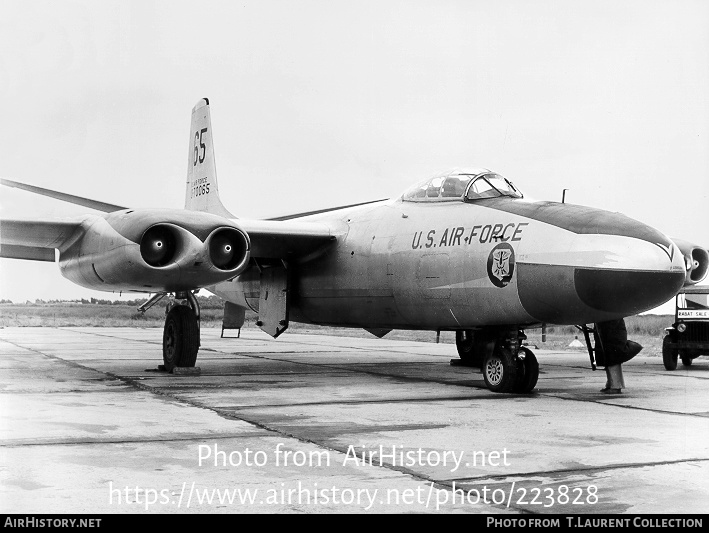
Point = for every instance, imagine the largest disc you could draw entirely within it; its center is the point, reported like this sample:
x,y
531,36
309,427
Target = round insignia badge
x,y
501,264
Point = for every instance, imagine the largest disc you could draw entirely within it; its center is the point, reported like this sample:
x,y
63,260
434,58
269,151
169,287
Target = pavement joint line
x,y
590,469
631,370
341,367
124,388
299,342
18,443
256,354
606,402
354,402
67,362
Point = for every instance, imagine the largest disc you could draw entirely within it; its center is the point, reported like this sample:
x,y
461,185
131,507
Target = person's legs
x,y
615,381
608,381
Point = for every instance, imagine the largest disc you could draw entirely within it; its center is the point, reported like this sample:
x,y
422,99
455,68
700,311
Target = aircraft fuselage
x,y
459,265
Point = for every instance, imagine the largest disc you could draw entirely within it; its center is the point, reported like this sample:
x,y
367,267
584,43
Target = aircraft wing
x,y
282,238
36,239
64,197
286,239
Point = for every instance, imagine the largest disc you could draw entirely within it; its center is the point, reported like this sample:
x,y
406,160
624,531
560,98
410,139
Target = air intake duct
x,y
696,260
158,246
228,249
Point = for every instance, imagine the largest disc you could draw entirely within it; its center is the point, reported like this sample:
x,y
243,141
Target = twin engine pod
x,y
181,258
157,250
226,249
696,260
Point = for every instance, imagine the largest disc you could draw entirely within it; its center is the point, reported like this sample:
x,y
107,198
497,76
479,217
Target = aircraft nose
x,y
625,292
604,266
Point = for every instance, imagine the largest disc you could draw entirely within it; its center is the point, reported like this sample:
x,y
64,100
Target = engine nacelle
x,y
228,249
155,251
696,260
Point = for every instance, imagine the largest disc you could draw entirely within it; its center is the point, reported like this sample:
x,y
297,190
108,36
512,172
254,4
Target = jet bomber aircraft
x,y
463,251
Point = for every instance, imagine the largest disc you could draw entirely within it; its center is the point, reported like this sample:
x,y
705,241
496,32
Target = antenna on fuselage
x,y
563,195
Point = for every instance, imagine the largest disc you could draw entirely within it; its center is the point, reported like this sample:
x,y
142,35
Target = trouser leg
x,y
615,377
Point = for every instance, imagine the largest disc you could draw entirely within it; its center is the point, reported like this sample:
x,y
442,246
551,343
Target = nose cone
x,y
625,293
597,266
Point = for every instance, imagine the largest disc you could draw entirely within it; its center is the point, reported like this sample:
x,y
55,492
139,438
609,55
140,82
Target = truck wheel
x,y
500,370
180,340
686,359
527,371
669,354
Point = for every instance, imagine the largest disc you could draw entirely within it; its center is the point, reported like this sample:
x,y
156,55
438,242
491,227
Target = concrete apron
x,y
311,423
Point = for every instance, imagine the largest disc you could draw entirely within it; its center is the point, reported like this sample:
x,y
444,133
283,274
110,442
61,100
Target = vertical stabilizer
x,y
202,191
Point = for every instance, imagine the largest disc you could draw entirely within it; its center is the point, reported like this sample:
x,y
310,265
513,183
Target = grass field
x,y
648,330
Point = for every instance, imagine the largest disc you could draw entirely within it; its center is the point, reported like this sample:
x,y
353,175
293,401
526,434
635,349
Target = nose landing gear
x,y
506,365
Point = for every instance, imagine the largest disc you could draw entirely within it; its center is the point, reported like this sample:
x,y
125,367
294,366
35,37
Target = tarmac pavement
x,y
320,424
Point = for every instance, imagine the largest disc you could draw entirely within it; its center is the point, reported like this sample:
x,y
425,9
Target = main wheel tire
x,y
669,354
686,359
500,370
464,341
180,339
527,371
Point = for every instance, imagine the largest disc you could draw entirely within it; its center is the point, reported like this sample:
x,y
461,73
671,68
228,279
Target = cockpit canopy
x,y
461,185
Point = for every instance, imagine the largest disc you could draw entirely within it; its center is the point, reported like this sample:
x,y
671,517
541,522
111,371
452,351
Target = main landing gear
x,y
181,337
506,365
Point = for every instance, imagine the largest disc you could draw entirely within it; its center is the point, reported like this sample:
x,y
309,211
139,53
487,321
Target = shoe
x,y
611,391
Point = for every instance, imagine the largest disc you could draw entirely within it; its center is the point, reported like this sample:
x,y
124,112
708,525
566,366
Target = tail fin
x,y
202,191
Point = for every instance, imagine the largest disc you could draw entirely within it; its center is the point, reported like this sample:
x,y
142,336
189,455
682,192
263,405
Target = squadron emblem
x,y
501,264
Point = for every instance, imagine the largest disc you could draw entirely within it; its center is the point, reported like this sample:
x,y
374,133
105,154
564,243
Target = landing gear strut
x,y
180,340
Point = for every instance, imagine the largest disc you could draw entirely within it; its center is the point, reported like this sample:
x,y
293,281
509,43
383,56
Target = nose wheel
x,y
503,371
527,371
500,370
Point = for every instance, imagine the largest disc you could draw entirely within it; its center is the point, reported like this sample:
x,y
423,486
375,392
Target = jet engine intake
x,y
158,246
696,260
228,249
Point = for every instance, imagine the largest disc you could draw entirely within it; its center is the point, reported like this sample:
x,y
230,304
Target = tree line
x,y
205,302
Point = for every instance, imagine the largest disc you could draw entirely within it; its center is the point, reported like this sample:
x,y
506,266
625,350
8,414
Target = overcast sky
x,y
323,103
